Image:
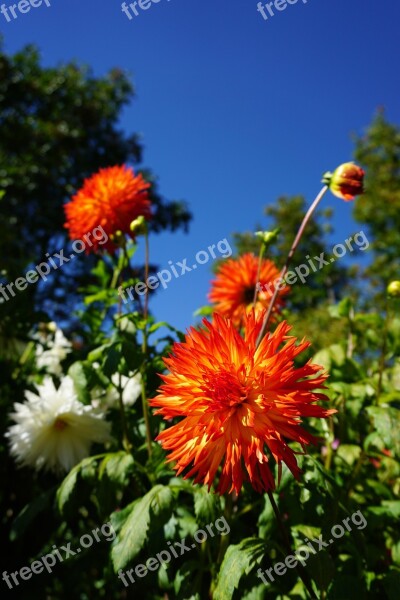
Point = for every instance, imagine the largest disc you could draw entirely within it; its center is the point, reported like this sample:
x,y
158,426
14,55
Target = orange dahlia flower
x,y
232,291
238,405
112,199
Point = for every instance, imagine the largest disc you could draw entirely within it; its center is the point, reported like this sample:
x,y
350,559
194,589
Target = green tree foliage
x,y
378,151
57,126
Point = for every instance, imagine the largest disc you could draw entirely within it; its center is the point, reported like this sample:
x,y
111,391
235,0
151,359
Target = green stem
x,y
289,258
383,351
350,335
300,569
329,449
146,414
145,349
125,435
260,259
146,276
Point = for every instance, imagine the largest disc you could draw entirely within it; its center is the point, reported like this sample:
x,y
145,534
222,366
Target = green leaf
x,y
342,309
387,423
391,583
117,467
389,508
67,487
205,505
145,515
350,453
204,311
396,553
343,584
98,353
187,583
256,593
111,362
79,373
322,568
238,561
28,514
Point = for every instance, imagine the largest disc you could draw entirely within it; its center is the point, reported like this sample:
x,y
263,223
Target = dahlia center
x,y
249,295
224,390
60,425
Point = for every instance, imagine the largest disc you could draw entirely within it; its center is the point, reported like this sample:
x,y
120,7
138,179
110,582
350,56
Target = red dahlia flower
x,y
232,291
238,405
112,199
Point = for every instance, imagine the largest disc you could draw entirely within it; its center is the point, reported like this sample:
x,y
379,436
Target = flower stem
x,y
125,436
260,258
289,258
146,276
383,351
144,348
146,414
300,569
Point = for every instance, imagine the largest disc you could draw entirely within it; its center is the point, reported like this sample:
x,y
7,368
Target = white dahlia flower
x,y
52,349
53,429
131,390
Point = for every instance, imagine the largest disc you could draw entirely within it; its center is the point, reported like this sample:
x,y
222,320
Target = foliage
x,y
378,150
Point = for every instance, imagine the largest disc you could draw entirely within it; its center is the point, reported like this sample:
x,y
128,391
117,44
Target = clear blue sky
x,y
234,110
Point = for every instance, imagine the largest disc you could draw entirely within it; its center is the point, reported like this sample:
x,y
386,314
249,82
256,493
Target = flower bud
x,y
346,182
118,239
268,237
393,289
139,226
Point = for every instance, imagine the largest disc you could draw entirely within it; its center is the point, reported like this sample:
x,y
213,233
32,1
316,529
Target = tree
x,y
378,151
58,126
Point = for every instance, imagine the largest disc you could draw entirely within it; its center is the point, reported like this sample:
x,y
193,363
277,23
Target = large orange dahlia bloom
x,y
232,291
111,198
238,405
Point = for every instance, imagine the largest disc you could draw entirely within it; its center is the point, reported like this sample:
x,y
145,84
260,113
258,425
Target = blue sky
x,y
234,110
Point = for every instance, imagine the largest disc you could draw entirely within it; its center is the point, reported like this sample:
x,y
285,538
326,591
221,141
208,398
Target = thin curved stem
x,y
289,258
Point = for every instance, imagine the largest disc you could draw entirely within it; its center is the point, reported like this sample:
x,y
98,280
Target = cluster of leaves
x,y
356,468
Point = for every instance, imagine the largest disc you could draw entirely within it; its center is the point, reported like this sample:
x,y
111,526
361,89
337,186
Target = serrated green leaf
x,y
147,513
117,467
239,560
205,505
65,491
